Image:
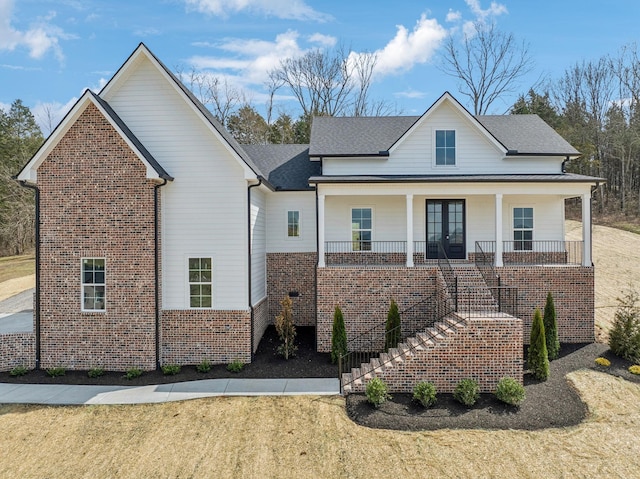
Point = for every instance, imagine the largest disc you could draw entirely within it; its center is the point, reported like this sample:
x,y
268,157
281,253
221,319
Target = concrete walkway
x,y
64,394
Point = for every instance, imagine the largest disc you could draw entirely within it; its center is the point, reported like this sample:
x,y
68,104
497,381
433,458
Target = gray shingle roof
x,y
286,167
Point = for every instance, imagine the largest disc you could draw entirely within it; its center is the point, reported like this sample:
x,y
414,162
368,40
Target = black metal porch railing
x,y
539,252
484,263
476,303
360,252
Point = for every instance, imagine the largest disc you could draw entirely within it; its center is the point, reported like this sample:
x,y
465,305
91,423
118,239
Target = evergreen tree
x,y
338,336
551,328
537,359
392,327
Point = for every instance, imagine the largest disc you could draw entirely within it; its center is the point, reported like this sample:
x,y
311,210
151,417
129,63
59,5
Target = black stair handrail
x,y
450,277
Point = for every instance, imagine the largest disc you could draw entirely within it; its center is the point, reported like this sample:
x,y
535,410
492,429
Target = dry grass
x,y
17,274
310,437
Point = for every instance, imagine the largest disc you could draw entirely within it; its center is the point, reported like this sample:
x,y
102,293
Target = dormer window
x,y
445,147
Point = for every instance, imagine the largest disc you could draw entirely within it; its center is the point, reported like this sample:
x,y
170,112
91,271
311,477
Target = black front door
x,y
445,225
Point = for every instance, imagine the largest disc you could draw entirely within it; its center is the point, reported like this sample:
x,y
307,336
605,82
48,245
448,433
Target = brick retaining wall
x,y
288,272
17,349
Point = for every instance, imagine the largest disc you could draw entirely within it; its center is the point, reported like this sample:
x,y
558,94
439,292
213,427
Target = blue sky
x,y
51,50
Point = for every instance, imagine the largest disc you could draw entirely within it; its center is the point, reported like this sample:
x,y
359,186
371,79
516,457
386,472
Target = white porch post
x,y
409,231
586,229
497,260
321,263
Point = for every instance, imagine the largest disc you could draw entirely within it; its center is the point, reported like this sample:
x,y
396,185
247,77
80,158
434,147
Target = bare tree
x,y
488,63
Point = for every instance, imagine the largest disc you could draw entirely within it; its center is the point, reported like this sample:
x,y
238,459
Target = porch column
x,y
321,263
586,229
497,260
409,231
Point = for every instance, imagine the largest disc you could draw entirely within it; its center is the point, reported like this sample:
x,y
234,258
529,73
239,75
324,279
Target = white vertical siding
x,y
278,205
204,210
258,246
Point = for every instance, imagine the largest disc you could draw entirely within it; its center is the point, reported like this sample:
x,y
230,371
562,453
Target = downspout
x,y
156,265
249,254
315,275
593,190
37,295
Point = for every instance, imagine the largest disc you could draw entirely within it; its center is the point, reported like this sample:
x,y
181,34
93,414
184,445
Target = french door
x,y
446,225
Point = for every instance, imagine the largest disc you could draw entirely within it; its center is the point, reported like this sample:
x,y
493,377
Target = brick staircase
x,y
473,292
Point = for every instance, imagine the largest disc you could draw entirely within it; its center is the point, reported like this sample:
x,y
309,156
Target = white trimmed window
x,y
445,147
200,282
361,222
93,284
523,229
293,224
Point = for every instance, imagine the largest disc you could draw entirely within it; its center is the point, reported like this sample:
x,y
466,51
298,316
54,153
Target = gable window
x,y
93,284
361,229
445,147
293,224
200,282
523,229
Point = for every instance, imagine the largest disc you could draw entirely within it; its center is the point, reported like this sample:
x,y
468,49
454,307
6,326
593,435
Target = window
x,y
293,224
361,229
445,147
200,282
93,284
523,229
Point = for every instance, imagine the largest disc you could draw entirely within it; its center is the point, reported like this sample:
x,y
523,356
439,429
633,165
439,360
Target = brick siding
x,y
287,272
261,319
17,349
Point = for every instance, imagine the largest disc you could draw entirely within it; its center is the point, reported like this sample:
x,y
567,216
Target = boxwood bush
x,y
425,394
510,391
467,392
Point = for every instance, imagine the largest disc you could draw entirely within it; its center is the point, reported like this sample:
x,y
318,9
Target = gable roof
x,y
286,167
154,169
214,125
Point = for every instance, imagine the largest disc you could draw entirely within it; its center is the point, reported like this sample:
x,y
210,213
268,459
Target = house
x,y
162,240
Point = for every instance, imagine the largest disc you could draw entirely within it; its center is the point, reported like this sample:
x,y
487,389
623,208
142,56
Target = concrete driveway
x,y
16,313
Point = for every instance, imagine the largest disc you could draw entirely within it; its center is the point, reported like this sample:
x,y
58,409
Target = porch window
x,y
523,229
445,147
361,229
200,278
293,224
93,284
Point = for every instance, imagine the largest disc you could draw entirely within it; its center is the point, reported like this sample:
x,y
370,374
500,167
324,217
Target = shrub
x,y
235,366
551,328
132,373
467,392
376,392
635,369
95,372
56,372
170,369
537,358
624,336
392,327
18,371
286,330
204,366
425,393
338,336
603,362
510,391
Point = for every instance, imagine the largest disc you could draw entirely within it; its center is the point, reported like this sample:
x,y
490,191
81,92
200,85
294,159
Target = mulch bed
x,y
553,403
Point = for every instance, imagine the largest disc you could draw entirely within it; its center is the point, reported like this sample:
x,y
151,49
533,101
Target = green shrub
x,y
95,372
56,372
132,373
170,369
204,366
392,326
18,371
467,392
425,393
537,359
235,366
338,336
624,336
286,330
510,391
376,392
551,328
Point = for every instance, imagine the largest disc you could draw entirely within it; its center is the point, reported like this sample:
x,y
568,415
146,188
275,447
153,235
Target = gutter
x,y
260,180
36,311
156,266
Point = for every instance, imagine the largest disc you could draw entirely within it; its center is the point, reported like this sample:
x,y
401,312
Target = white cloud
x,y
453,16
101,83
409,48
288,9
410,93
40,38
146,32
323,40
494,9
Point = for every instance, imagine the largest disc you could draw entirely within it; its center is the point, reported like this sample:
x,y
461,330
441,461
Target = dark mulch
x,y
553,403
266,364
